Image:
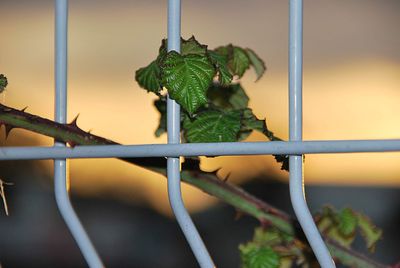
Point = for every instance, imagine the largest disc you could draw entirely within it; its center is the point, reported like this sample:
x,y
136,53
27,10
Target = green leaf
x,y
192,46
347,222
369,231
257,63
329,222
149,77
341,226
187,79
254,256
335,234
213,126
249,123
221,63
228,98
267,237
3,82
238,61
161,106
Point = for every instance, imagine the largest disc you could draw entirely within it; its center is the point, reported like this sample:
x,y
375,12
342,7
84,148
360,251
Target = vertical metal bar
x,y
60,166
296,132
173,163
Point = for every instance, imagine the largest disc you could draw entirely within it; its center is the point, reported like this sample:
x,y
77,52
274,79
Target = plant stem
x,y
206,181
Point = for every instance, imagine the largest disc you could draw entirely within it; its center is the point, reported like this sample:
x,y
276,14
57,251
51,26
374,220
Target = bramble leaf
x,y
187,79
192,46
3,82
369,231
249,123
227,98
238,61
213,126
257,63
255,256
221,63
341,226
149,77
347,222
329,222
270,237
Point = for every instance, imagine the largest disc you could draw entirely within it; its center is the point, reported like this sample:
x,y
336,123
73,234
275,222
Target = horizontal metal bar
x,y
201,149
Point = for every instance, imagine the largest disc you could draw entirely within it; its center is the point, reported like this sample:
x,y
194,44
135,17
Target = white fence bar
x,y
173,163
201,149
60,166
296,182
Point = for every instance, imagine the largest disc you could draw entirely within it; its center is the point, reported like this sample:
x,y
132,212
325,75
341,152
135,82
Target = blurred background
x,y
351,91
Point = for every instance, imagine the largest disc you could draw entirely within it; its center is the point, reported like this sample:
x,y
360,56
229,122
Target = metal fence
x,y
295,147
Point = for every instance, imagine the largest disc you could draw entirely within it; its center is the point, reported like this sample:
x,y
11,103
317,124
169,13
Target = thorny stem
x,y
206,181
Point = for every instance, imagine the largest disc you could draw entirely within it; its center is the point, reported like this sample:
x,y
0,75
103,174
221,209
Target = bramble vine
x,y
215,109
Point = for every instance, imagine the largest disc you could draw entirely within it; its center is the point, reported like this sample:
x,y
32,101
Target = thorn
x,y
265,224
23,110
226,177
8,129
215,171
73,122
71,143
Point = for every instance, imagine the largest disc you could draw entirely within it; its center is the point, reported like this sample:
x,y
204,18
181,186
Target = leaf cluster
x,y
272,248
205,82
342,226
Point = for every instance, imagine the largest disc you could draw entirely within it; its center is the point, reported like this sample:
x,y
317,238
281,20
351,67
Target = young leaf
x,y
254,256
347,222
238,61
257,63
3,82
227,98
269,237
192,46
149,77
221,63
187,79
249,123
213,126
329,222
369,231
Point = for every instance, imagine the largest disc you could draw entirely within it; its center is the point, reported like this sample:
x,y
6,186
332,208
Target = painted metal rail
x,y
61,165
296,181
173,163
201,149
